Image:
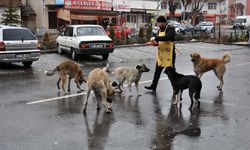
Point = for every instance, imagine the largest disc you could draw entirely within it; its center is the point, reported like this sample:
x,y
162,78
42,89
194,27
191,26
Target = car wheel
x,y
27,63
59,50
105,56
73,55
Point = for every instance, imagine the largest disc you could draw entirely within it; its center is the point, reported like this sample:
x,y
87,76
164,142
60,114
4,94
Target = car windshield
x,y
17,34
240,20
90,31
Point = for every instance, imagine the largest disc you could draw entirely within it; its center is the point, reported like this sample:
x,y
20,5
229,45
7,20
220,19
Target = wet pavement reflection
x,y
167,127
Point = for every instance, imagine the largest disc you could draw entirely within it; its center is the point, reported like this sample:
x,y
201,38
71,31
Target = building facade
x,y
51,14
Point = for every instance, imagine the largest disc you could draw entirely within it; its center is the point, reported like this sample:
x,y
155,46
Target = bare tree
x,y
185,3
172,9
197,5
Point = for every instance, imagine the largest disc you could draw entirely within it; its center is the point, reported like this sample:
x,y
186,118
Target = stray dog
x,y
181,82
103,89
131,75
71,69
202,65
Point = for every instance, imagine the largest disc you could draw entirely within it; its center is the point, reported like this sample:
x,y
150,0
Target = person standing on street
x,y
166,50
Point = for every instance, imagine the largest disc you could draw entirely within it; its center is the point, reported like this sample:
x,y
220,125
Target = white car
x,y
18,44
85,39
155,30
205,27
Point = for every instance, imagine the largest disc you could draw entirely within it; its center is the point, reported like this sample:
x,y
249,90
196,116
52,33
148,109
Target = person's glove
x,y
152,39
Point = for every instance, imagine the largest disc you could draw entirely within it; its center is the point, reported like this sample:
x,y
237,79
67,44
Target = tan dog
x,y
131,75
103,89
71,69
202,65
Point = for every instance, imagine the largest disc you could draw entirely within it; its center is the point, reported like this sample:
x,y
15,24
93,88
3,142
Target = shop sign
x,y
121,5
88,4
59,2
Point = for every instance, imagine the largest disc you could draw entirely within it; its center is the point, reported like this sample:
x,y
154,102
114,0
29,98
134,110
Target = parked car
x,y
85,39
18,44
186,28
173,23
241,22
118,31
156,29
204,26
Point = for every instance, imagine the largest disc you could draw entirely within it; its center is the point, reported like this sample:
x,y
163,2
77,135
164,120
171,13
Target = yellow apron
x,y
165,52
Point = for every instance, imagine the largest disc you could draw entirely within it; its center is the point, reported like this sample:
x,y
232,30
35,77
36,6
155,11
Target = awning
x,y
63,14
83,17
94,12
27,11
176,14
213,15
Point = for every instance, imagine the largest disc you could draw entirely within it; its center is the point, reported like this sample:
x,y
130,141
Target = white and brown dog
x,y
103,89
131,75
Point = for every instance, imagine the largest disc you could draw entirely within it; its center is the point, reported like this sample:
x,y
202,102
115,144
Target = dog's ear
x,y
114,84
138,67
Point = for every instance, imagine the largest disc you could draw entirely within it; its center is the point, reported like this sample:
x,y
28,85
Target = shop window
x,y
211,6
128,18
164,5
178,5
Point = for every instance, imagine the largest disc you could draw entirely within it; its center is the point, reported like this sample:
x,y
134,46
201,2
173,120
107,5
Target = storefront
x,y
87,12
215,18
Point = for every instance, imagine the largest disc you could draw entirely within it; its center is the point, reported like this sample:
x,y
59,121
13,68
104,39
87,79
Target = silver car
x,y
18,44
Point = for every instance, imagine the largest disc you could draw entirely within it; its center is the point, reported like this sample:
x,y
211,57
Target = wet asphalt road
x,y
36,116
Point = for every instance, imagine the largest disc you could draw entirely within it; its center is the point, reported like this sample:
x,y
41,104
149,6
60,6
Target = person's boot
x,y
151,87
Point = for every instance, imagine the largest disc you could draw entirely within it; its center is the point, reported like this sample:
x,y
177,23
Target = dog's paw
x,y
109,110
79,91
219,88
139,94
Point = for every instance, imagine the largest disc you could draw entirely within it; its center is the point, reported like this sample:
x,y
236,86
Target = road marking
x,y
78,94
84,93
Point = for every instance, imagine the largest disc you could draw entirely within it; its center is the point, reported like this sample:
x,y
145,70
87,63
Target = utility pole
x,y
157,8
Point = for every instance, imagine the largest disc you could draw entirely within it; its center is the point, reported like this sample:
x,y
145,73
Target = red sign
x,y
88,4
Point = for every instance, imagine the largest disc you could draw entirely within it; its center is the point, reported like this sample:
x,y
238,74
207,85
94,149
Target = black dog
x,y
181,82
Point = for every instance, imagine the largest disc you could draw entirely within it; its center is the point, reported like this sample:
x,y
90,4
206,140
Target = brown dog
x,y
71,69
202,65
103,89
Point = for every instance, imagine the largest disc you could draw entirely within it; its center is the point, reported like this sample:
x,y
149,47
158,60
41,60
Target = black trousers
x,y
158,70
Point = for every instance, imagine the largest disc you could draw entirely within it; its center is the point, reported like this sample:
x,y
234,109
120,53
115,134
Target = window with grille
x,y
211,6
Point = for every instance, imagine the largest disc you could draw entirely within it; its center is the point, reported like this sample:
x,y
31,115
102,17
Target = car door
x,y
70,42
65,38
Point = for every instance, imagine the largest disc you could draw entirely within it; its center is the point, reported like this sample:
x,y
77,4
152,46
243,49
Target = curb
x,y
138,45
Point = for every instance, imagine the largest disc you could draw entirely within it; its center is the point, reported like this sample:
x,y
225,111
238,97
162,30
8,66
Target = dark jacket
x,y
169,34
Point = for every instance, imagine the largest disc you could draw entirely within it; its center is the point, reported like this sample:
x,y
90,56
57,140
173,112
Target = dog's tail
x,y
226,58
50,72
